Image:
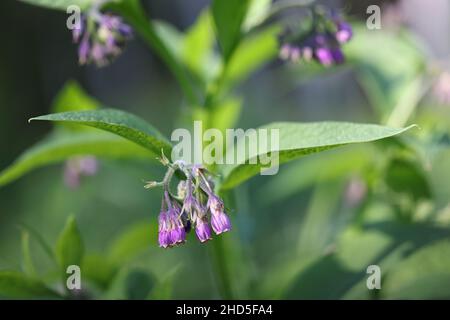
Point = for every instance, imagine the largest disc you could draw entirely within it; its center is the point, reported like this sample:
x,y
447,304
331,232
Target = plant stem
x,y
221,271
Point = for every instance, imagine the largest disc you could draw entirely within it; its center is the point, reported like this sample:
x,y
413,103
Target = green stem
x,y
220,267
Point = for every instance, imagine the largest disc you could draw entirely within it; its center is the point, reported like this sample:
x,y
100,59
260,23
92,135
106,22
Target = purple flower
x,y
344,32
322,41
202,230
285,52
77,167
77,31
220,222
338,55
215,204
201,208
163,230
103,37
324,56
177,232
171,229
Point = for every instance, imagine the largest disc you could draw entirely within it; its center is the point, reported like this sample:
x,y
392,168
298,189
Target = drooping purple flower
x,y
324,56
220,222
338,55
202,229
78,31
285,52
344,31
163,230
177,232
215,204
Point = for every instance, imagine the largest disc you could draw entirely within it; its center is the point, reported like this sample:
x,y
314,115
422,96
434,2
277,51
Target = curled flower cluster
x,y
322,42
101,37
195,206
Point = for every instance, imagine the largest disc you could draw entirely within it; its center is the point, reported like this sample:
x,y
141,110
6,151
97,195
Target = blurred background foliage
x,y
309,232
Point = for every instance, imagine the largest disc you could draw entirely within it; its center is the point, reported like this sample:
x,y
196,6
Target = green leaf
x,y
17,285
228,18
425,274
39,239
257,13
171,37
133,240
69,247
316,168
384,83
299,139
59,147
60,4
138,284
252,53
98,269
72,97
163,289
118,122
28,265
198,47
405,176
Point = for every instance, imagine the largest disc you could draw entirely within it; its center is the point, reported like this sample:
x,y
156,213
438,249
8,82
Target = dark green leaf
x,y
404,176
139,284
118,122
17,285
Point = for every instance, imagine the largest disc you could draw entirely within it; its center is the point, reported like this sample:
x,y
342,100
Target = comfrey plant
x,y
104,28
230,40
195,205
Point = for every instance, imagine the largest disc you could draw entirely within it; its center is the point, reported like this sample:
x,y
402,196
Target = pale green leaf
x,y
59,147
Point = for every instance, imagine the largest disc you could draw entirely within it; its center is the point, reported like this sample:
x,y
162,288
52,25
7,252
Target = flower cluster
x,y
322,42
101,37
195,206
77,167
